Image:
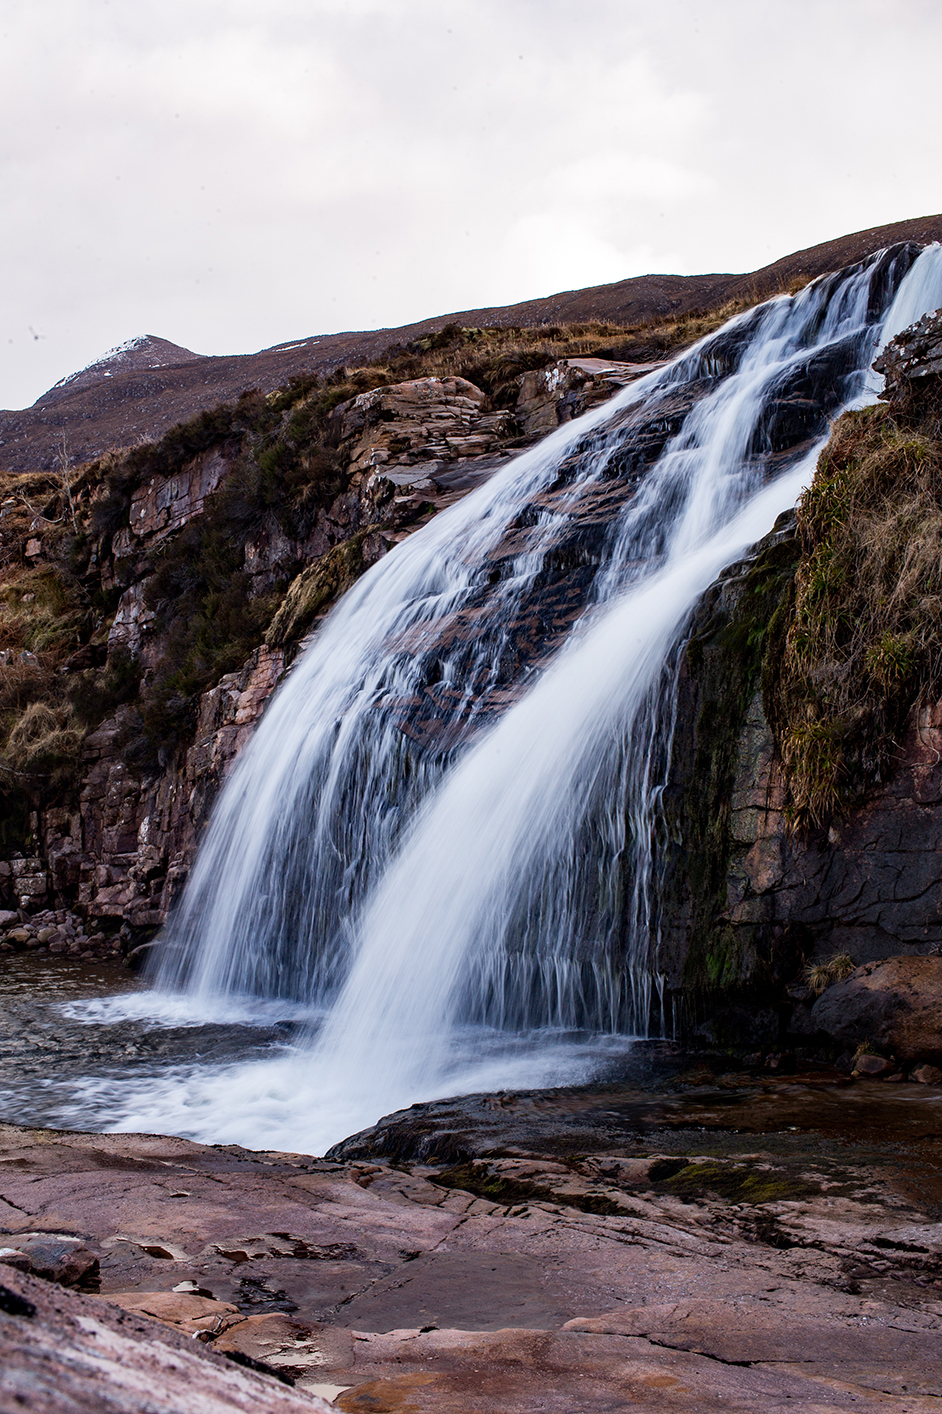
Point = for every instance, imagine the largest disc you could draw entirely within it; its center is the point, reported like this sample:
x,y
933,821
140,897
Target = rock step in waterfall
x,y
446,825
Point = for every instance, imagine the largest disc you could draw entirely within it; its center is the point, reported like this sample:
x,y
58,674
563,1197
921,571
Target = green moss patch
x,y
477,1179
737,1183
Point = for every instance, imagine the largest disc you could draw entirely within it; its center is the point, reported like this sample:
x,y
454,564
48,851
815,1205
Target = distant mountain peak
x,y
143,352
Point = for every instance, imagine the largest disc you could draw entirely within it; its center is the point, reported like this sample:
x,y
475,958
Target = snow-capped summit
x,y
146,351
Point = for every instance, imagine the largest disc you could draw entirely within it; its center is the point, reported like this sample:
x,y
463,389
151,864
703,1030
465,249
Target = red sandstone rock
x,y
186,1312
411,1295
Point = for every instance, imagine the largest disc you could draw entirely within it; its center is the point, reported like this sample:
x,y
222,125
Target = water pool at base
x,y
87,1046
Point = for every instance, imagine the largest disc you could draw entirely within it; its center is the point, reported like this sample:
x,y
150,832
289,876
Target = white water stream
x,y
481,914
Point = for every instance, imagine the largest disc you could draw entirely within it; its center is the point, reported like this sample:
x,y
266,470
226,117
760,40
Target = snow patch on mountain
x,y
146,351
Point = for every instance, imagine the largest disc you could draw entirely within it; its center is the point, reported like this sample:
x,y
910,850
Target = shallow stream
x,y
59,1045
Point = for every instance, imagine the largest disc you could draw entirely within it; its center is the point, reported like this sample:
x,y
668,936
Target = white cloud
x,y
229,175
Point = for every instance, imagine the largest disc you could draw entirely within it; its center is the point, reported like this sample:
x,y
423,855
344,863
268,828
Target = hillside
x,y
147,390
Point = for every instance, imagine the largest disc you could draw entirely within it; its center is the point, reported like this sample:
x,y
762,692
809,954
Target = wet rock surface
x,y
681,1238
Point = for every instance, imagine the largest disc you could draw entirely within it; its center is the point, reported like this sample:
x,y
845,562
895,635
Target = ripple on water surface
x,y
87,1046
68,1028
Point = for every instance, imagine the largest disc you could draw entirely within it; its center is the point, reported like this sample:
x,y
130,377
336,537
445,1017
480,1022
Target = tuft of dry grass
x,y
40,611
819,975
43,734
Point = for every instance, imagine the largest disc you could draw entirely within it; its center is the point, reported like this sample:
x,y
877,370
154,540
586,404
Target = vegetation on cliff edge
x,y
862,640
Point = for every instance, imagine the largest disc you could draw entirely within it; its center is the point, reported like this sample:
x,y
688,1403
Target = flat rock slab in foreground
x,y
684,1266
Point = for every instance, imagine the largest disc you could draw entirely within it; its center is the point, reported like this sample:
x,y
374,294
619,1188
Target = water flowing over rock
x,y
451,813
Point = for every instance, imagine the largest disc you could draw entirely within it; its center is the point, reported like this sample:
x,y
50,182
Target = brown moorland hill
x,y
153,384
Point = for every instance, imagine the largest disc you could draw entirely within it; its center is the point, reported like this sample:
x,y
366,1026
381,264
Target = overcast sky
x,y
231,174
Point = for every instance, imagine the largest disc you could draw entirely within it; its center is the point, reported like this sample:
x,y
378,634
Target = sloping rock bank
x,y
709,1241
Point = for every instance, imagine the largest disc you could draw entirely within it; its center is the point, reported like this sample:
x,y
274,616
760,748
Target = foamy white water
x,y
429,902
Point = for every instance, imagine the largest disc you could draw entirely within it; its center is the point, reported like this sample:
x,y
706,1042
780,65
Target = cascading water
x,y
448,818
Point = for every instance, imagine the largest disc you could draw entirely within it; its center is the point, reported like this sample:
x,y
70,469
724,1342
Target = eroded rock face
x,y
896,1005
425,420
551,396
913,358
165,503
124,852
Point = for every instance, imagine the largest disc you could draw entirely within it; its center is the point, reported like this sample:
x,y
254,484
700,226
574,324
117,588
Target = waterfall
x,y
448,815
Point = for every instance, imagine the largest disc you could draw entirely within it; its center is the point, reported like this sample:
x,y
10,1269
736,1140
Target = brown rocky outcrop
x,y
567,389
424,422
125,851
913,356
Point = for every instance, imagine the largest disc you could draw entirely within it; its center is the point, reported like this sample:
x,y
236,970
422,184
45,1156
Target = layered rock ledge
x,y
705,1240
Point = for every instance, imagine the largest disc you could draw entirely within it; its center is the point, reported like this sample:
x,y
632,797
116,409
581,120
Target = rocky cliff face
x,y
259,514
764,903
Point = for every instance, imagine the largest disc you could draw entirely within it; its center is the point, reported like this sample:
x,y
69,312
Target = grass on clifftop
x,y
863,641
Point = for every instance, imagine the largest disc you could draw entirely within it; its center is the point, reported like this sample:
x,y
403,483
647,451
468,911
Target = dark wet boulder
x,y
895,1005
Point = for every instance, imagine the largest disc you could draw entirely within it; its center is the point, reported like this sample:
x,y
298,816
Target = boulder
x,y
873,1065
895,1005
